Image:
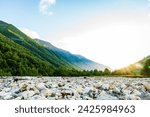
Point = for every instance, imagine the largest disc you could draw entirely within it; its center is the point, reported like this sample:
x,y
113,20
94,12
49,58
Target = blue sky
x,y
25,13
93,28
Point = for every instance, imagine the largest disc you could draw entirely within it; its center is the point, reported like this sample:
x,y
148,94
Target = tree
x,y
146,68
107,71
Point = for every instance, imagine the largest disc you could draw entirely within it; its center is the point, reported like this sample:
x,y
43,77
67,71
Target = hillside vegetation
x,y
77,60
38,50
141,67
21,55
16,60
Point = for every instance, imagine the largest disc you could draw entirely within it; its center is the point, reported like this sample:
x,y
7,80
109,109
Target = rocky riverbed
x,y
74,88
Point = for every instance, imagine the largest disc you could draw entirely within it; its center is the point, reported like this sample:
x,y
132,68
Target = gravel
x,y
74,88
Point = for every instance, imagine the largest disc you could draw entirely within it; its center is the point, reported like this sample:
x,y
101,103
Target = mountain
x,y
133,69
142,62
16,60
35,48
146,66
77,60
22,55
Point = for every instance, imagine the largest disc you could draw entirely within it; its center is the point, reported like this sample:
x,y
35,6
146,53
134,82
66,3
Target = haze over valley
x,y
107,32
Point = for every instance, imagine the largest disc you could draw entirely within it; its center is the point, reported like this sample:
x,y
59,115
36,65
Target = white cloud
x,y
30,33
45,5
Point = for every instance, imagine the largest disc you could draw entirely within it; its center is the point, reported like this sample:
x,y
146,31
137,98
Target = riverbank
x,y
74,88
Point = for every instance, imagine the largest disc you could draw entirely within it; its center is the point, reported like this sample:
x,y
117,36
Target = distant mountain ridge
x,y
77,60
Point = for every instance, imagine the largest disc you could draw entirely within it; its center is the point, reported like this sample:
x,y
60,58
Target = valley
x,y
74,88
21,55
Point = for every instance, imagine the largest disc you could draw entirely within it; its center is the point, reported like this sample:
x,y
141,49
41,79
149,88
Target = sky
x,y
115,33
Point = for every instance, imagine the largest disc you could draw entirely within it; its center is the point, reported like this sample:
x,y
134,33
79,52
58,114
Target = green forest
x,y
16,60
22,56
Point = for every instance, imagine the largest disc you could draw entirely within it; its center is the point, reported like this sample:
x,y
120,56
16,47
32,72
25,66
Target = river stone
x,y
92,94
18,98
23,87
116,90
61,84
8,97
132,97
48,85
54,85
51,98
31,87
15,94
66,93
27,94
126,91
7,89
87,89
136,92
3,94
57,95
123,86
87,98
75,93
37,92
41,86
105,96
38,97
97,85
147,87
46,92
105,86
145,96
80,90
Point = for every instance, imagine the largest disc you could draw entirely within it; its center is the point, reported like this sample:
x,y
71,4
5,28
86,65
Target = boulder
x,y
40,86
147,87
